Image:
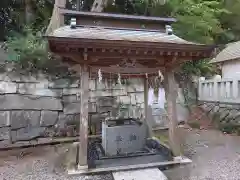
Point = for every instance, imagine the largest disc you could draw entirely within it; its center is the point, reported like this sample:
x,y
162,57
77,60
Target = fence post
x,y
199,90
215,91
235,89
228,89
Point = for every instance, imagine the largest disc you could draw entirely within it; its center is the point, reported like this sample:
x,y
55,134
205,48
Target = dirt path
x,y
215,157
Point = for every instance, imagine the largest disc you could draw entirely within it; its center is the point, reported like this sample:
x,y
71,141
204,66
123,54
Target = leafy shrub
x,y
194,124
28,49
229,128
29,52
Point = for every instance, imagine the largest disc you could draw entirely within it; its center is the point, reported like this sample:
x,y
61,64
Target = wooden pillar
x,y
171,91
83,145
147,109
145,96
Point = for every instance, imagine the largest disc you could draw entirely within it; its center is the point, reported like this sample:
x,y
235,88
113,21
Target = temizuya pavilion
x,y
132,46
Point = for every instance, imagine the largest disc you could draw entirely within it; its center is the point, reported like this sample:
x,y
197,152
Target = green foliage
x,y
43,12
199,68
229,128
194,124
203,21
163,139
230,22
198,20
121,6
28,49
162,136
7,19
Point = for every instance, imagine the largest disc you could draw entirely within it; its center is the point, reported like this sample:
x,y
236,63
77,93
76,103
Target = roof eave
x,y
224,60
119,43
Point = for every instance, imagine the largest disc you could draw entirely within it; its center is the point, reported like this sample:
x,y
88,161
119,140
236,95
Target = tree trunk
x,y
29,14
98,5
57,19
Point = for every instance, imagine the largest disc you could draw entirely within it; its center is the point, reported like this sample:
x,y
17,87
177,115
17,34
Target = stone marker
x,y
141,174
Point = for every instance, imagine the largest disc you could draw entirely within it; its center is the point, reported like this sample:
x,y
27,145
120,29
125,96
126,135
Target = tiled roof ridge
x,y
230,52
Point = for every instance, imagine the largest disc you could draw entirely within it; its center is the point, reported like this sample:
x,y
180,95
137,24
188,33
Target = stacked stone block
x,y
37,107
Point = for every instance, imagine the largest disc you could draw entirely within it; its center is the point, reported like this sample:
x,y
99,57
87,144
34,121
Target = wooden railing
x,y
222,90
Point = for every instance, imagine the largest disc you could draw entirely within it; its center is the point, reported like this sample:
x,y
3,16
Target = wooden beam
x,y
126,70
171,90
130,52
83,147
108,54
145,96
107,60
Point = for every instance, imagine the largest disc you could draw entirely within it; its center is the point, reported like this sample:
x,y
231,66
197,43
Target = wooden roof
x,y
114,34
124,43
123,48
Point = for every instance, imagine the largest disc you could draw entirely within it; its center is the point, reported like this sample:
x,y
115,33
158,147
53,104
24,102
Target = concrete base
x,y
177,160
182,159
80,167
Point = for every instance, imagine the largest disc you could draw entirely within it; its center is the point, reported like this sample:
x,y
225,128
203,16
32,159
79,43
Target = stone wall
x,y
33,107
223,115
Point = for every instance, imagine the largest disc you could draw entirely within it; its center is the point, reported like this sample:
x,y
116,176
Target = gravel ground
x,y
215,157
42,163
